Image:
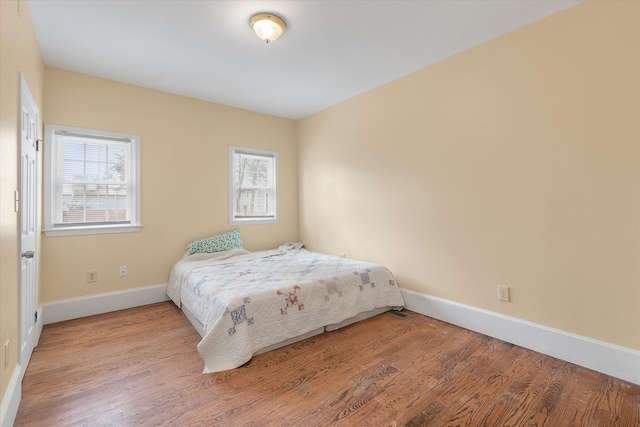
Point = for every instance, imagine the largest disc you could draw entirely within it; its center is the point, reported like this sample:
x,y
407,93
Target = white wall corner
x,y
11,399
74,308
610,359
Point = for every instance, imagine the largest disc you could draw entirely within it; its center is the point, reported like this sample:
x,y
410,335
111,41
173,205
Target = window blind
x,y
92,180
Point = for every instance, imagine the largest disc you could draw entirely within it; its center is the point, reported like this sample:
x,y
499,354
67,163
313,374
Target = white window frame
x,y
50,155
233,219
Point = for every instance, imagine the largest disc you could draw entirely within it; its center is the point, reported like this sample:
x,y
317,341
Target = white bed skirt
x,y
333,327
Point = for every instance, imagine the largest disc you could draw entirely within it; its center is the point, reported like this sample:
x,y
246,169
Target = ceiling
x,y
331,51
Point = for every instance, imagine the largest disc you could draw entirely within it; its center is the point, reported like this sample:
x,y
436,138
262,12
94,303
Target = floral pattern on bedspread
x,y
250,300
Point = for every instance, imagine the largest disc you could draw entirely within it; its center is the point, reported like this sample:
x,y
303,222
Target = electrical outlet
x,y
504,293
343,255
123,271
92,276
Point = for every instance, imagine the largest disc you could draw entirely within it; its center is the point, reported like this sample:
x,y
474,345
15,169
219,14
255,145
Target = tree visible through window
x,y
253,186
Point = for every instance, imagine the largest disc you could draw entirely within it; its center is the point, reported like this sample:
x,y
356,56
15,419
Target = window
x,y
253,186
92,181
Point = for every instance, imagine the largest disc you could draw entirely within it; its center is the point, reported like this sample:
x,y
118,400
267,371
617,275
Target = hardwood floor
x,y
140,367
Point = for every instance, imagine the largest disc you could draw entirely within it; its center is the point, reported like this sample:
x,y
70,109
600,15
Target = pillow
x,y
218,243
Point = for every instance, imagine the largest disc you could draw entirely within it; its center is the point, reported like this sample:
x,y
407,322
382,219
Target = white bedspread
x,y
250,300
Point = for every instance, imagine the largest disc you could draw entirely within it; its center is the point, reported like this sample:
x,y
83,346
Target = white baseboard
x,y
11,399
74,308
610,359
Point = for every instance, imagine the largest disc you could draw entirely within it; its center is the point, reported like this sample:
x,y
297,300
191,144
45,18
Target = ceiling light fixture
x,y
267,26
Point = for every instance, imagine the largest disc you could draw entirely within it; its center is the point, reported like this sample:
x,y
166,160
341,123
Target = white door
x,y
28,223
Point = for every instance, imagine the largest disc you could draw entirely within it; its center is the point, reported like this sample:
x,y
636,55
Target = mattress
x,y
247,302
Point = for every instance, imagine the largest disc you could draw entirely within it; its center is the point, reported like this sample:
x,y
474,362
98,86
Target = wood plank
x,y
140,367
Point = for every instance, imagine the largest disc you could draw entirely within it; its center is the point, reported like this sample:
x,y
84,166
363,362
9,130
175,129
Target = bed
x,y
245,303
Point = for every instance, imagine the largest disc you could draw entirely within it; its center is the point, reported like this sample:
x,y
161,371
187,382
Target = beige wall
x,y
19,52
184,174
513,163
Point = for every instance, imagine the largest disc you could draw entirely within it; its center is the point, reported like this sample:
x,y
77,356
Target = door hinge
x,y
38,144
36,317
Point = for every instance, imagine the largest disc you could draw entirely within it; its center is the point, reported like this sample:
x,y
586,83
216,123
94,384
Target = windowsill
x,y
250,221
101,229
